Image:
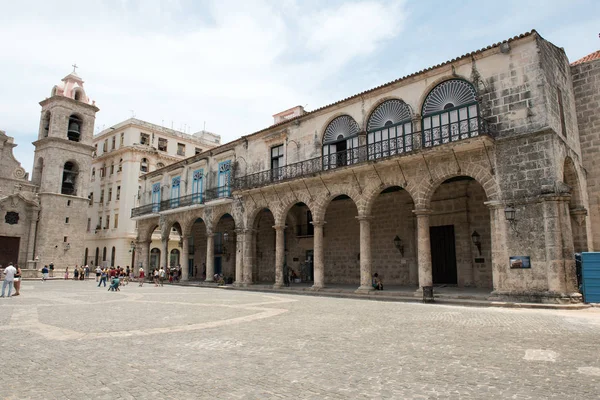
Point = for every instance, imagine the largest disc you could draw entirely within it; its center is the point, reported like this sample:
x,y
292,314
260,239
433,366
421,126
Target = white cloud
x,y
232,64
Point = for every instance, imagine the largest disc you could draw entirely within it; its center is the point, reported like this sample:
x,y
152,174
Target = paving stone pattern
x,y
72,340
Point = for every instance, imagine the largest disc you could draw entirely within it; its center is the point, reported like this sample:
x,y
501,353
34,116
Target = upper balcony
x,y
222,192
407,143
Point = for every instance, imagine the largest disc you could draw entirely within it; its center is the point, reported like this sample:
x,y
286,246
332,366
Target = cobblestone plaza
x,y
73,340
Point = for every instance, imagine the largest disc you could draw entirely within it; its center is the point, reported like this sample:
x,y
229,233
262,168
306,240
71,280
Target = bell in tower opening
x,y
69,179
74,132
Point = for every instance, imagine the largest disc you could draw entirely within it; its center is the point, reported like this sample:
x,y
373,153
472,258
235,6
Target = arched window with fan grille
x,y
389,129
340,142
450,113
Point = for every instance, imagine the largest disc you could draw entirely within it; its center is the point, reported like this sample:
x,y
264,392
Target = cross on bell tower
x,y
74,67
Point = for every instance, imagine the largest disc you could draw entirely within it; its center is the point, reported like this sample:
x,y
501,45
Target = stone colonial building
x,y
468,173
122,153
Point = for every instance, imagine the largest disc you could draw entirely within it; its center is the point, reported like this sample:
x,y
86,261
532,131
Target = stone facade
x,y
431,209
52,206
441,177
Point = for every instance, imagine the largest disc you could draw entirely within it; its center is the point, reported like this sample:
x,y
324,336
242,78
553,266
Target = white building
x,y
123,152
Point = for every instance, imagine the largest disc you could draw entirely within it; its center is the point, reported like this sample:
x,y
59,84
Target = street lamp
x,y
399,245
510,214
476,238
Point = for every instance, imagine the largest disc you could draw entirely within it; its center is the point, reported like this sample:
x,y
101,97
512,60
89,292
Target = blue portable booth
x,y
589,265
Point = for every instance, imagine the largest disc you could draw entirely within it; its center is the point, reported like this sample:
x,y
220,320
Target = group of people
x,y
80,273
12,277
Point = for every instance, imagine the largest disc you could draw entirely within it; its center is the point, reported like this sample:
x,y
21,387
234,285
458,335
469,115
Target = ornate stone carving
x,y
11,218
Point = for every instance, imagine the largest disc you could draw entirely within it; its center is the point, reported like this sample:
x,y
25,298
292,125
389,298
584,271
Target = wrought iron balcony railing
x,y
183,201
392,147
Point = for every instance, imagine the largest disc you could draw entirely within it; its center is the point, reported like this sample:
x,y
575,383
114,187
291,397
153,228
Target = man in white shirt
x,y
9,278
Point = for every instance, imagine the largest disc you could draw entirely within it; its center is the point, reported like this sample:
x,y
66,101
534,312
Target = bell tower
x,y
62,162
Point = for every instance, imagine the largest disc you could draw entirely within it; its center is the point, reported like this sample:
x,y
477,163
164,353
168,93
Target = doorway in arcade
x,y
460,235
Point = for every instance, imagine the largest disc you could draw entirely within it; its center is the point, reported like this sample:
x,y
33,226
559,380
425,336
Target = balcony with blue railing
x,y
183,201
436,135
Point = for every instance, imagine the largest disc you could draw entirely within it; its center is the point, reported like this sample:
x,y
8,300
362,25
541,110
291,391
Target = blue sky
x,y
233,64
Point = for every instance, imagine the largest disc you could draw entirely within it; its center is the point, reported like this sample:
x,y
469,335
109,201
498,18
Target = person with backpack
x,y
44,273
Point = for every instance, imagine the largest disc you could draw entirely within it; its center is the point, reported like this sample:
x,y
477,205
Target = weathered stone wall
x,y
52,229
586,88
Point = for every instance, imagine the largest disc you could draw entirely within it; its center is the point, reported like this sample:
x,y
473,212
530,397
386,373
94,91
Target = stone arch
x,y
78,94
283,209
444,171
188,224
436,83
218,213
322,203
70,178
571,178
373,193
75,127
145,235
168,226
46,122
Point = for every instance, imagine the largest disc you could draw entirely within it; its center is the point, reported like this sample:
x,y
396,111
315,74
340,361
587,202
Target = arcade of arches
x,y
337,239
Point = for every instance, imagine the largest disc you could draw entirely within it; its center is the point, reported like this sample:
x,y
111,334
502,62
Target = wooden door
x,y
443,254
9,250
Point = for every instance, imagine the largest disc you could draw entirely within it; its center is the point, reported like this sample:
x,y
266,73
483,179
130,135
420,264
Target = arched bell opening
x,y
69,179
74,130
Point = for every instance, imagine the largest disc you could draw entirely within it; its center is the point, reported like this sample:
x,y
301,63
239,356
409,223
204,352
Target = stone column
x,y
210,255
144,256
424,248
416,126
319,258
164,252
568,245
499,244
554,248
279,254
239,257
365,253
185,255
31,240
248,256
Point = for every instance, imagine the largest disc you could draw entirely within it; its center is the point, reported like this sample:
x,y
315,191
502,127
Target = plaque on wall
x,y
519,262
296,259
479,260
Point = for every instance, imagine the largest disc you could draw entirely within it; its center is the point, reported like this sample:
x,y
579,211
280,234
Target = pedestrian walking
x,y
155,277
76,273
87,271
66,273
102,278
9,278
51,270
286,275
98,272
161,276
141,276
44,273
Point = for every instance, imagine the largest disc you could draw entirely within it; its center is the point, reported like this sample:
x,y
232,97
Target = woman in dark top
x,y
17,281
76,273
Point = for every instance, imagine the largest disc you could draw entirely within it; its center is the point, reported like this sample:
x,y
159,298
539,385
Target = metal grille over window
x,y
450,113
340,142
389,130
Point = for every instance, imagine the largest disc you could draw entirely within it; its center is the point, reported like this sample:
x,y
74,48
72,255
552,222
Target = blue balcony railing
x,y
183,201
